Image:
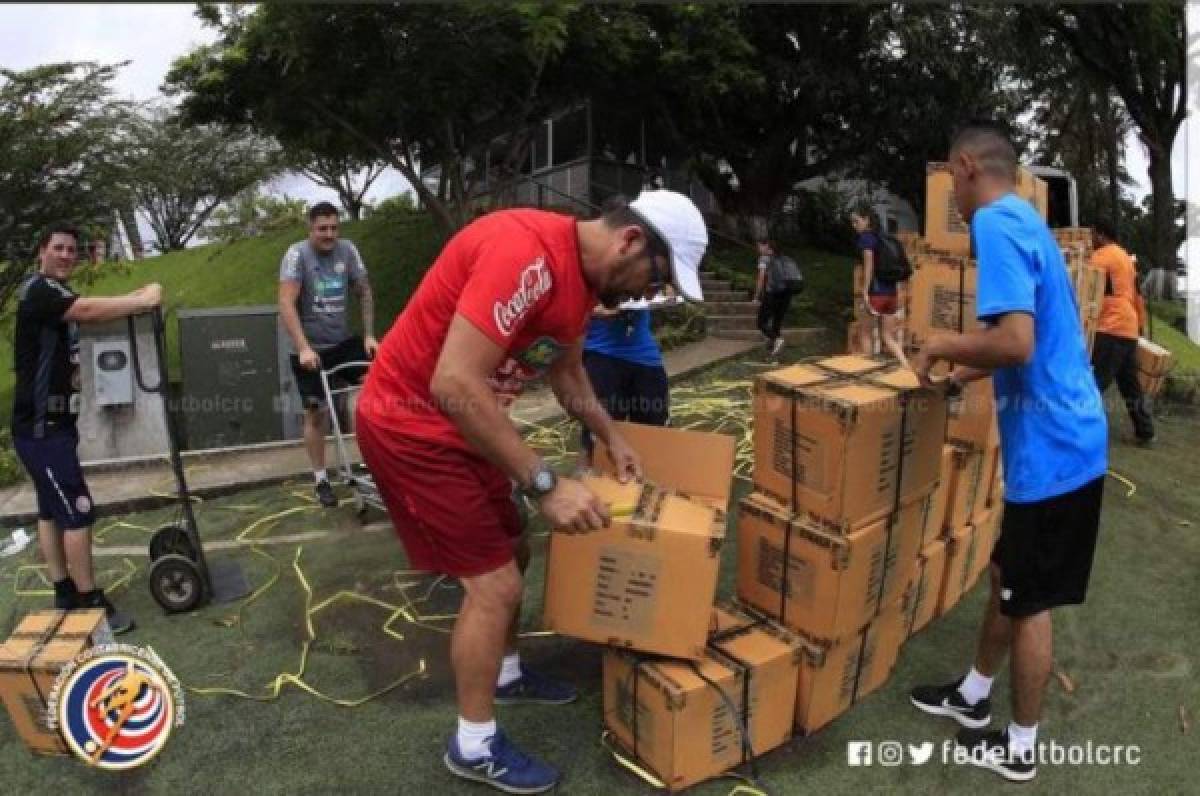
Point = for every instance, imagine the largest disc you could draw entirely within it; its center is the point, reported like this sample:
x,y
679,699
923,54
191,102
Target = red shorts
x,y
452,510
883,304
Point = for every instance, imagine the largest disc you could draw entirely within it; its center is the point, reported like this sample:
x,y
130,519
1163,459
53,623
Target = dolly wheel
x,y
175,583
171,539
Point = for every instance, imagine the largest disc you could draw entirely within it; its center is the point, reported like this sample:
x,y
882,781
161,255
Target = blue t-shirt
x,y
626,336
869,242
1053,430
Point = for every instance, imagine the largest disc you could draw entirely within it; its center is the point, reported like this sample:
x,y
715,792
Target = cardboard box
x,y
943,299
30,660
836,583
987,481
971,416
1151,385
959,552
835,675
671,716
920,600
1152,359
986,531
968,553
967,487
831,450
945,229
647,581
939,498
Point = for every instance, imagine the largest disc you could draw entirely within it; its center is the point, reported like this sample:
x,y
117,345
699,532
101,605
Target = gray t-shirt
x,y
324,284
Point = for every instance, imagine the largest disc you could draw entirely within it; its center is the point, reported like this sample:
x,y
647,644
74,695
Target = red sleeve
x,y
508,285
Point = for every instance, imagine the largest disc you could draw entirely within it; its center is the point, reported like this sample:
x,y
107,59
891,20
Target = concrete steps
x,y
793,336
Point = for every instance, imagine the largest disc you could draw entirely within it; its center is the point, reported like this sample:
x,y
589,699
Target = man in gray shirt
x,y
314,284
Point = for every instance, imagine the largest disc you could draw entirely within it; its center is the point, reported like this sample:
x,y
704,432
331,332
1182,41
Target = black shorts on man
x,y
308,382
1045,550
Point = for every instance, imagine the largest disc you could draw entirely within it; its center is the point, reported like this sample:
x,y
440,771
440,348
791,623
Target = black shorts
x,y
308,382
1045,550
52,462
627,390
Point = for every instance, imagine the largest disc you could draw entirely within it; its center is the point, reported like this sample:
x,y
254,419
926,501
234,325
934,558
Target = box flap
x,y
746,639
38,623
80,623
695,463
900,378
851,364
646,504
796,376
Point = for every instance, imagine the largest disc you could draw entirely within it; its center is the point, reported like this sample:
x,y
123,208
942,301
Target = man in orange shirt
x,y
1114,354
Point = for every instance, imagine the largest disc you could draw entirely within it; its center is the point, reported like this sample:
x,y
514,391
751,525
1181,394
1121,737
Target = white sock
x,y
1021,740
319,476
510,670
475,738
975,687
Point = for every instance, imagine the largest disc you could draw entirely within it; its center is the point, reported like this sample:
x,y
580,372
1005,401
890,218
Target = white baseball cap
x,y
677,222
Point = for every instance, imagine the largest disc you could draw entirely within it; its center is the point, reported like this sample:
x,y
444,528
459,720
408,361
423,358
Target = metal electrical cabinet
x,y
238,387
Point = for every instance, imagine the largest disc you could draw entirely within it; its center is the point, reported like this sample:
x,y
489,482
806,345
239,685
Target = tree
x,y
1139,50
422,85
252,213
178,176
349,176
761,97
59,124
933,68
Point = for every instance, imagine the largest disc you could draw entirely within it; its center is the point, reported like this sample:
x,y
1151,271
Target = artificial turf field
x,y
1132,655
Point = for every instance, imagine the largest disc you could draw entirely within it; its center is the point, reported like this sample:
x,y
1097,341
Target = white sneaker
x,y
777,347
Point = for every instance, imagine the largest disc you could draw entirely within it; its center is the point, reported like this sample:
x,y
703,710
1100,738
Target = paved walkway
x,y
126,487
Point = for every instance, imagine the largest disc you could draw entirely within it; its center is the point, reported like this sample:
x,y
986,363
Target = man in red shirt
x,y
507,300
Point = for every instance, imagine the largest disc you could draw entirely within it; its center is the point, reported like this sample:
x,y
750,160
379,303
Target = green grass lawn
x,y
397,253
1131,652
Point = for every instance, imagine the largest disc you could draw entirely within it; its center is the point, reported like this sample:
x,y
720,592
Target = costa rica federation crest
x,y
116,706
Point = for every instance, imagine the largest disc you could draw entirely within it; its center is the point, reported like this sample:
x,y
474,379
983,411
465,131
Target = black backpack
x,y
784,276
891,263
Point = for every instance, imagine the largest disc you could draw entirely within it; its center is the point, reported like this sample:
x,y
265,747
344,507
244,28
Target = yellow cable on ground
x,y
276,686
41,571
1132,486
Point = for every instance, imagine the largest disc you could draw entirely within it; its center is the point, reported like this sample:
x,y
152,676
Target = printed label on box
x,y
770,572
808,468
626,589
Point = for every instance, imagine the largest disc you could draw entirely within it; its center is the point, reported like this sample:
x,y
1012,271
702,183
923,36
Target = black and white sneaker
x,y
945,700
325,494
989,749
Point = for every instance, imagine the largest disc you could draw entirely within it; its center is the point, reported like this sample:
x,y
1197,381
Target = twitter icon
x,y
919,755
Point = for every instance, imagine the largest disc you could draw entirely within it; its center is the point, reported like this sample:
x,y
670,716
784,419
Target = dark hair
x,y
990,144
616,212
769,243
57,228
865,210
1105,227
321,209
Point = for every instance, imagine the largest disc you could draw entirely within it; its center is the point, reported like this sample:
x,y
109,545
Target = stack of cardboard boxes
x,y
1088,281
690,690
847,456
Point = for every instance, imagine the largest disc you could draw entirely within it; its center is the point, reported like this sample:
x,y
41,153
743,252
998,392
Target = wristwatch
x,y
541,482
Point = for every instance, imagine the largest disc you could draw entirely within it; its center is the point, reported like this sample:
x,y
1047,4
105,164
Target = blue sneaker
x,y
536,688
507,768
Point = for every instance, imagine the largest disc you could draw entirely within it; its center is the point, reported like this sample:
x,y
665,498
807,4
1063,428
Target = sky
x,y
150,36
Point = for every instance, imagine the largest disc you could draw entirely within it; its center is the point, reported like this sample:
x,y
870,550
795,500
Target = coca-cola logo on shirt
x,y
535,282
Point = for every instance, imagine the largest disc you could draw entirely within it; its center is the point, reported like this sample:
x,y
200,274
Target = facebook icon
x,y
858,753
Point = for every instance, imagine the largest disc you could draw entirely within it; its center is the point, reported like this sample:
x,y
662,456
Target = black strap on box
x,y
638,662
787,528
37,650
740,718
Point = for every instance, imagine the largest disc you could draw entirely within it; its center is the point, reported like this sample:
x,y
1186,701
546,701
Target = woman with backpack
x,y
778,279
885,272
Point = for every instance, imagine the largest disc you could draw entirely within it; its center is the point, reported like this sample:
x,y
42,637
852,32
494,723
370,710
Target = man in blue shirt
x,y
1053,438
625,366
